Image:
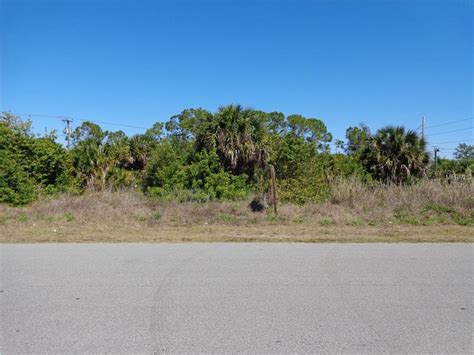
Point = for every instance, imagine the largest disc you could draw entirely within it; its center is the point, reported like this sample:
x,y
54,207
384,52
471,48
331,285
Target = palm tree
x,y
95,153
395,154
141,148
238,135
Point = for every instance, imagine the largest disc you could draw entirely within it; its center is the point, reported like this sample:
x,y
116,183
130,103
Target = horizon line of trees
x,y
198,155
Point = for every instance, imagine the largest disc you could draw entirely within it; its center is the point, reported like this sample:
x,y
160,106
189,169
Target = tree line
x,y
199,155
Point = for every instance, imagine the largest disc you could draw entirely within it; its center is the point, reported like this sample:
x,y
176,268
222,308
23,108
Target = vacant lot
x,y
383,216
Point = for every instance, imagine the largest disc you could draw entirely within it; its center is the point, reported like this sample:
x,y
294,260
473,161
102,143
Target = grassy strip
x,y
305,233
395,216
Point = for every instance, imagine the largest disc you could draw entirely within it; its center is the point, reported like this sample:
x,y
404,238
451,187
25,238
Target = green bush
x,y
31,166
199,178
203,156
310,180
447,168
16,187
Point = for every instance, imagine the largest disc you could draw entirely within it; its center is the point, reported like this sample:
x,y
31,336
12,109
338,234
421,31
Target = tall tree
x,y
30,165
143,145
238,135
16,124
357,139
464,151
96,152
311,129
394,154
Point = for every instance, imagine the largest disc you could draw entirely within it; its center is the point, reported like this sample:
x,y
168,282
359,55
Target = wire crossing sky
x,y
133,63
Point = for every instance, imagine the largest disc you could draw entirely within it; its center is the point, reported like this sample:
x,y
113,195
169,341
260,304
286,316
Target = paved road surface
x,y
237,298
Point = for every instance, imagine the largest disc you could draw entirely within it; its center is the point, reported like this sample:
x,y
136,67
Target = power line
x,y
79,119
450,122
462,141
113,124
145,128
35,115
454,130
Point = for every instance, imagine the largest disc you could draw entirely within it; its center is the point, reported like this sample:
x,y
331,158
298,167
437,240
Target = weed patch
x,y
23,218
69,217
325,222
120,216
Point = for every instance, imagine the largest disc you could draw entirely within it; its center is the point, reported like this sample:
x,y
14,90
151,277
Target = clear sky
x,y
344,61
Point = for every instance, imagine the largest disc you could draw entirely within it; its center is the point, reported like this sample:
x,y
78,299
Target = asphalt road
x,y
237,298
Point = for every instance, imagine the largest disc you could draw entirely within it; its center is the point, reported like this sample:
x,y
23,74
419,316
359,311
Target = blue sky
x,y
136,62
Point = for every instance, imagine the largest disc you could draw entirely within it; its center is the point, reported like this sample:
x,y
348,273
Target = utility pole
x,y
274,192
423,126
67,130
436,150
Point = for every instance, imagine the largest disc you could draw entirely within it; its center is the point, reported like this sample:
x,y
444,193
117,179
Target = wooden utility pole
x,y
274,192
423,126
436,150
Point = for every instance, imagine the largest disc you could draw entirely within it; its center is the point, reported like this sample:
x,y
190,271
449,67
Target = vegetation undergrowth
x,y
213,169
350,203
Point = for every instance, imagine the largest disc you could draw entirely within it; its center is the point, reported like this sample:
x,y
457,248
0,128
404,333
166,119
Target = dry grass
x,y
427,212
385,201
225,233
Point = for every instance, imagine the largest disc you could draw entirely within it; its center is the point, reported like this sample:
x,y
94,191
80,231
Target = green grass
x,y
229,218
326,222
23,218
433,214
357,222
69,217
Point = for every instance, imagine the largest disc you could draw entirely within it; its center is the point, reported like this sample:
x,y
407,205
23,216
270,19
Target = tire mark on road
x,y
161,303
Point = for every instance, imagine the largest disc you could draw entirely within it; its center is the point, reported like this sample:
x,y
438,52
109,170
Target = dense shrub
x,y
203,156
173,174
16,187
304,175
447,168
392,154
31,165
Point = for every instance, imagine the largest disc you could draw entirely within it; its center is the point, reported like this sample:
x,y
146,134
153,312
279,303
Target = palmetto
x,y
238,136
394,154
